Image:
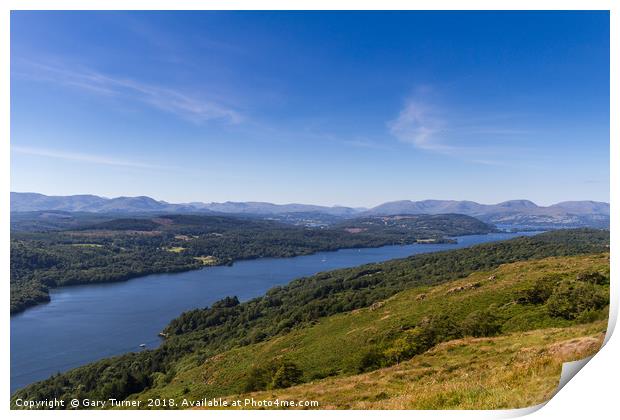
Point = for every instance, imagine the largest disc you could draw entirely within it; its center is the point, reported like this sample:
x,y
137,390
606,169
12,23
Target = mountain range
x,y
513,212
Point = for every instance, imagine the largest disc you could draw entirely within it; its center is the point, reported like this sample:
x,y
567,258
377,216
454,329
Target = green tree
x,y
256,380
370,360
481,324
541,290
287,374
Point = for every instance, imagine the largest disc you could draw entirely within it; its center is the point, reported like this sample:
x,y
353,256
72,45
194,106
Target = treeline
x,y
228,323
37,266
125,248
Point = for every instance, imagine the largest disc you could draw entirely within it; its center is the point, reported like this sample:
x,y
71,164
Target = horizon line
x,y
309,204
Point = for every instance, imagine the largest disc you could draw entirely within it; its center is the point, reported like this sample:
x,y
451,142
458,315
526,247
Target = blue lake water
x,y
82,324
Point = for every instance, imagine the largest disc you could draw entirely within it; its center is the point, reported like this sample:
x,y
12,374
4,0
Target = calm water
x,y
85,323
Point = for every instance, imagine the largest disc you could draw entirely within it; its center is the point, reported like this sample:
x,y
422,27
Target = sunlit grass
x,y
176,249
512,371
207,260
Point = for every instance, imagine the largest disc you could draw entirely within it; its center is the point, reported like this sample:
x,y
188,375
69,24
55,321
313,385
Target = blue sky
x,y
350,108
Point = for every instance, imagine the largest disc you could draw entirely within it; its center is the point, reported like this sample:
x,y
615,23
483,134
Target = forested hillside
x,y
198,335
120,249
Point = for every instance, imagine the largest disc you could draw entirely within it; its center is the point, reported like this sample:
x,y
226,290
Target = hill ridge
x,y
512,212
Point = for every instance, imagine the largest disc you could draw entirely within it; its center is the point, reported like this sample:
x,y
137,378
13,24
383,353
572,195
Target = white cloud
x,y
474,139
81,157
418,124
170,100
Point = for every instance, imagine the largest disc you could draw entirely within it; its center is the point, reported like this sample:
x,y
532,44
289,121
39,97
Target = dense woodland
x,y
228,323
120,249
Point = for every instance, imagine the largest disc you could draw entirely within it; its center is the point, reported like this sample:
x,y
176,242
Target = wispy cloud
x,y
190,107
428,127
419,125
82,157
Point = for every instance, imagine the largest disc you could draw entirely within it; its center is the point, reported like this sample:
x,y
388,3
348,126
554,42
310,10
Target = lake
x,y
82,324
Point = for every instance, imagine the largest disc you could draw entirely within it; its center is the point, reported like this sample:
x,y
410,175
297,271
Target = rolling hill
x,y
522,213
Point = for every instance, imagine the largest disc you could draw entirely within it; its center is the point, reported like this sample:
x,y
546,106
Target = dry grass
x,y
176,249
207,260
513,371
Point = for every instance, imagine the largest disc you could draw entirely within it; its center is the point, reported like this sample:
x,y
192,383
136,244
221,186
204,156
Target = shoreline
x,y
230,262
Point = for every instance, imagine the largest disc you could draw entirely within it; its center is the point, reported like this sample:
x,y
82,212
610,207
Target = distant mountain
x,y
254,207
28,202
514,212
35,202
425,207
583,207
523,213
450,206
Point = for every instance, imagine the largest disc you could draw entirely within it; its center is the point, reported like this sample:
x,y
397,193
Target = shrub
x,y
276,374
593,277
287,374
591,315
256,380
404,347
371,360
541,290
431,331
436,329
571,298
481,324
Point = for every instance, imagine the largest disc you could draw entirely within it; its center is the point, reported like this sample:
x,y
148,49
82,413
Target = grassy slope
x,y
511,371
334,345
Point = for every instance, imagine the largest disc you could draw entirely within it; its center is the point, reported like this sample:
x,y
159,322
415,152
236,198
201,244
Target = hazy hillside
x,y
35,202
475,209
21,202
514,212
